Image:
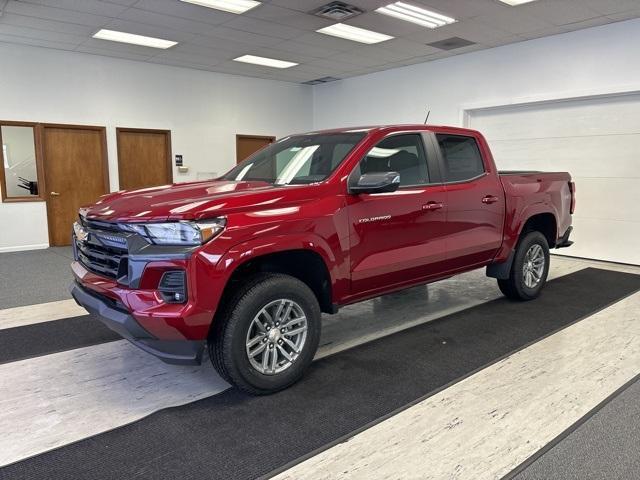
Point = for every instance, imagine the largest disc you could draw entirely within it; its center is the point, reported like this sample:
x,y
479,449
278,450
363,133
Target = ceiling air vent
x,y
451,43
318,81
337,11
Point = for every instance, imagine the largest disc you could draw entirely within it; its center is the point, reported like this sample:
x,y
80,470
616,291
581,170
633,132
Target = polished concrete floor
x,y
505,419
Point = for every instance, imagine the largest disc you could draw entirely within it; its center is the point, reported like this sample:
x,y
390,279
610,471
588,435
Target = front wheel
x,y
529,270
268,335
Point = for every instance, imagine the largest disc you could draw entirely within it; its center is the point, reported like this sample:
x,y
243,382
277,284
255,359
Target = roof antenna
x,y
425,120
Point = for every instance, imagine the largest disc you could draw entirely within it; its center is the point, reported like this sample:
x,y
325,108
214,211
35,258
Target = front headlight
x,y
181,233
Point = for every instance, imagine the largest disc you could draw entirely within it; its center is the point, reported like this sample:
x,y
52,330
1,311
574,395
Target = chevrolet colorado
x,y
244,265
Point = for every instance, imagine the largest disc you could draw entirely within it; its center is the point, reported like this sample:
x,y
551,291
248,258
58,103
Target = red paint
x,y
433,232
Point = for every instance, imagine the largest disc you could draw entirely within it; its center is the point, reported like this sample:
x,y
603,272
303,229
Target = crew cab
x,y
243,265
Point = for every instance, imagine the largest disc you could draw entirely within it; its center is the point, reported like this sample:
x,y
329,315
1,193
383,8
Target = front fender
x,y
251,249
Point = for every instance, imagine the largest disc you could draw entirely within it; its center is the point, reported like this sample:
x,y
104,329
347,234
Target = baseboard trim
x,y
22,248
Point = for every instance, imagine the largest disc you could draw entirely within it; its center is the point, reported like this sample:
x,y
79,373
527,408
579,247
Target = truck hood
x,y
189,201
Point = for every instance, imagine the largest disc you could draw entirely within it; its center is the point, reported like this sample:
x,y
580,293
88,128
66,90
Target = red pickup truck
x,y
244,265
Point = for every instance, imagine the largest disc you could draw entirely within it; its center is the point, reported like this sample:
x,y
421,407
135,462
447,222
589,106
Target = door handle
x,y
490,199
54,194
432,206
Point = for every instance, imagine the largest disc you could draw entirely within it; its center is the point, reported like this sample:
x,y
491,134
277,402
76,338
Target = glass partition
x,y
19,167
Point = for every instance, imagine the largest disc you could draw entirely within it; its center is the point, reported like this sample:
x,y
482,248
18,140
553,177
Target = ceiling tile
x,y
334,65
59,14
294,46
513,21
189,11
560,12
286,16
41,34
624,15
607,7
359,61
243,37
203,60
95,7
166,21
42,24
262,27
36,42
110,53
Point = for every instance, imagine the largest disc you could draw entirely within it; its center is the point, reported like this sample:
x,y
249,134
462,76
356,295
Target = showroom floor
x,y
444,381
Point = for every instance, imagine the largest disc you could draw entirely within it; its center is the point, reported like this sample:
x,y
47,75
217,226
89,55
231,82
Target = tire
x,y
259,298
527,279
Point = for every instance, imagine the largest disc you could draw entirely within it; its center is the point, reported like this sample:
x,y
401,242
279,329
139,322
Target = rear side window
x,y
461,155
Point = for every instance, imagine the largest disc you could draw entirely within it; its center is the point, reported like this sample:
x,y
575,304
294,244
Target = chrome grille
x,y
103,252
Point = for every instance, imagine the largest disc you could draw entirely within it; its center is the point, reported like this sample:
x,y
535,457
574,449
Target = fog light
x,y
173,286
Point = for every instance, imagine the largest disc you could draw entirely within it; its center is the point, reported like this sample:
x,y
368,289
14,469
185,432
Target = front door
x,y
398,237
75,168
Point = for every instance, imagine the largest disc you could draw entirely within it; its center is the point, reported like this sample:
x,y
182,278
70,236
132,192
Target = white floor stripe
x,y
41,312
487,424
53,400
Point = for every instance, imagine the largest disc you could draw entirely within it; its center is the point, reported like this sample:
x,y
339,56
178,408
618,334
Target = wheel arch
x,y
544,222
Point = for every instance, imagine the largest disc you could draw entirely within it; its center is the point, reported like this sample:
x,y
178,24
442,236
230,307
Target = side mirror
x,y
380,182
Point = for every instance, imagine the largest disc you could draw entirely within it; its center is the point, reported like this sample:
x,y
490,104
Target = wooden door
x,y
247,145
76,174
144,158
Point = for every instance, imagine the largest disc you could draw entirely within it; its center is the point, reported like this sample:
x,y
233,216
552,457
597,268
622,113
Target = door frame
x,y
105,159
166,133
239,137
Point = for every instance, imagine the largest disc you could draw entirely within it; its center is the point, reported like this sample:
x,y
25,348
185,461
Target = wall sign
x,y
178,160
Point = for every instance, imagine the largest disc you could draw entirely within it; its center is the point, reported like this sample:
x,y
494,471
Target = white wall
x,y
203,110
589,61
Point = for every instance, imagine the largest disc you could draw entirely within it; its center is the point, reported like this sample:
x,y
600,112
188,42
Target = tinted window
x,y
400,153
462,159
299,159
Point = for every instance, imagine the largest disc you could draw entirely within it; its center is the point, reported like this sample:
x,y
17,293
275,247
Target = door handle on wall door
x,y
490,199
432,206
54,194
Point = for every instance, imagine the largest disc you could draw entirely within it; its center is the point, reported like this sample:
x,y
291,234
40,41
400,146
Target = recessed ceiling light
x,y
516,2
123,37
356,34
411,13
264,61
233,6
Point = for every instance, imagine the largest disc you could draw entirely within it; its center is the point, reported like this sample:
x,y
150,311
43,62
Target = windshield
x,y
297,160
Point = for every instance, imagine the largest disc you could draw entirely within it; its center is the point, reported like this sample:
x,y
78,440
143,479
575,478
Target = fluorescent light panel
x,y
418,15
342,30
513,3
232,6
264,61
123,37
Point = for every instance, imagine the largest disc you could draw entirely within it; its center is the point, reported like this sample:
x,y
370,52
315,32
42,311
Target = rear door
x,y
398,237
475,201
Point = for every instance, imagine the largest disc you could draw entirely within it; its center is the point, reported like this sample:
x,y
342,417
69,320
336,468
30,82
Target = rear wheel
x,y
529,269
268,334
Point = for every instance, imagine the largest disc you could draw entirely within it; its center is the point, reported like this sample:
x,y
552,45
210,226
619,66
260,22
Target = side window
x,y
461,155
399,153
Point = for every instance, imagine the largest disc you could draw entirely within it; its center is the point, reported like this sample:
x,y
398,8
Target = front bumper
x,y
182,352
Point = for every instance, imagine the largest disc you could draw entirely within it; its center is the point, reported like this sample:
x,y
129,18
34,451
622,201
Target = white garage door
x,y
598,142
